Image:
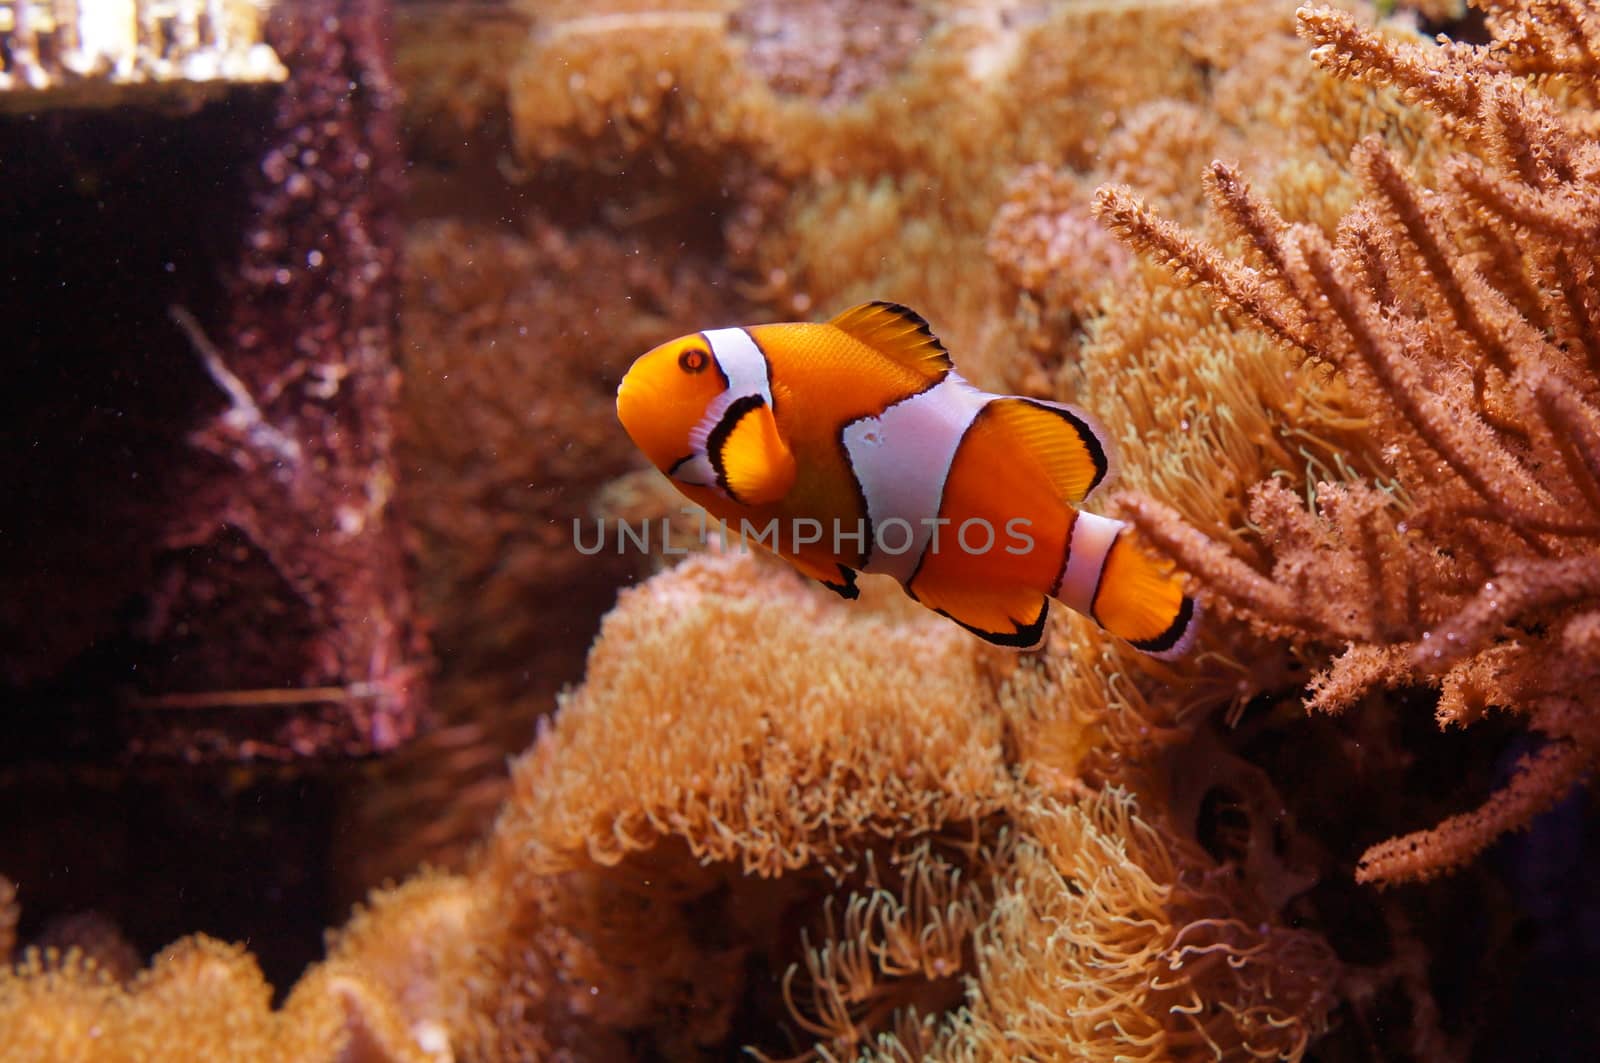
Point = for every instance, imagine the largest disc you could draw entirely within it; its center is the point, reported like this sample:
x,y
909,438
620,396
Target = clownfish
x,y
855,446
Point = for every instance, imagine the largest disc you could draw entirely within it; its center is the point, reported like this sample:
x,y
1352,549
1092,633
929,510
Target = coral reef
x,y
860,853
769,820
205,563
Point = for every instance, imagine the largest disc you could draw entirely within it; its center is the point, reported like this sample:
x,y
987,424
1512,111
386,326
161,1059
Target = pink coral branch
x,y
1519,588
1542,779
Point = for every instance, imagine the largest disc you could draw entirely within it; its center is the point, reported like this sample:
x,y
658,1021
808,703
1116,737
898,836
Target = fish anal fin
x,y
897,332
751,460
1013,617
838,578
1066,442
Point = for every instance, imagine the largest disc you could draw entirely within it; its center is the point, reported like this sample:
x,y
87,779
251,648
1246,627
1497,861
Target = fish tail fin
x,y
1141,599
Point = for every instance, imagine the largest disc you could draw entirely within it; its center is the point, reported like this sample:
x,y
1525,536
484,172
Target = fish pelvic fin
x,y
897,332
1141,599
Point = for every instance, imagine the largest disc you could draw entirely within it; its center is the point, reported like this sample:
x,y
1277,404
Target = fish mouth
x,y
639,410
629,400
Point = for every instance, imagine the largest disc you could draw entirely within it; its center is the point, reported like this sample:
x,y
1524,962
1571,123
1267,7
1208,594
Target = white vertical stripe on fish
x,y
742,362
1092,537
901,459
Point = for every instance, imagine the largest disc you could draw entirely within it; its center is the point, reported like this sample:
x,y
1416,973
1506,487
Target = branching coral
x,y
1463,318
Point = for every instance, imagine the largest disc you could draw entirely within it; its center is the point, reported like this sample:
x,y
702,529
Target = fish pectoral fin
x,y
897,332
747,452
1063,439
834,576
1005,616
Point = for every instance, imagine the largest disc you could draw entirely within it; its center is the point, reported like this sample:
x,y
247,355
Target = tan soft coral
x,y
390,992
810,728
861,769
1462,316
889,189
1084,930
1107,935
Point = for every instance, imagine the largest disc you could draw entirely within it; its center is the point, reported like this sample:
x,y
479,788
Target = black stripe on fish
x,y
716,363
848,589
1022,636
1066,556
923,328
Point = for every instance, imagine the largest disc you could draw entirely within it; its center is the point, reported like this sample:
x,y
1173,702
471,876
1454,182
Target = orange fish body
x,y
854,445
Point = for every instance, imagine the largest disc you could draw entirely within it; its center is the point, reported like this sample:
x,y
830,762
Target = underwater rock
x,y
208,432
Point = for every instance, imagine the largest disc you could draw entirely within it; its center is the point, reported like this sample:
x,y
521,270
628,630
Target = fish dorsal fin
x,y
1065,440
751,460
896,332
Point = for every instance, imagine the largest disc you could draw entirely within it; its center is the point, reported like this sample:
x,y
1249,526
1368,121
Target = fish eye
x,y
693,360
